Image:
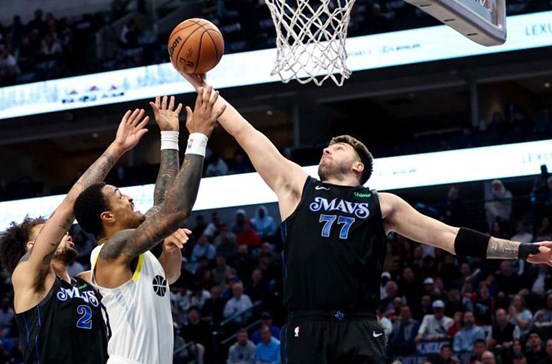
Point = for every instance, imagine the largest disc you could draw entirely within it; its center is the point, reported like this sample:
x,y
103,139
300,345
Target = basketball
x,y
195,46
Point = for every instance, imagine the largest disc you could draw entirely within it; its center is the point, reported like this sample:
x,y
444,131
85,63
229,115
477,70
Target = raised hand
x,y
176,240
131,129
196,80
166,116
203,118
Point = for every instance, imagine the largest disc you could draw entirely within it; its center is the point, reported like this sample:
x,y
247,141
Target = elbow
x,y
173,277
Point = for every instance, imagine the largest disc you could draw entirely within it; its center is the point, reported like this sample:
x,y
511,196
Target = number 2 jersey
x,y
67,326
334,249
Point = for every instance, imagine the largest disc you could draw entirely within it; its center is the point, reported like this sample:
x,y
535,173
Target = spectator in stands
x,y
240,163
542,319
508,282
221,270
200,226
50,47
213,309
244,262
539,194
202,248
243,350
240,302
405,329
226,244
445,356
456,302
522,231
264,224
409,287
479,348
9,68
488,357
434,326
464,340
520,316
213,228
197,295
498,203
216,166
458,318
502,331
128,38
453,210
248,236
483,305
548,358
540,279
268,350
258,289
266,320
535,351
544,229
387,306
197,331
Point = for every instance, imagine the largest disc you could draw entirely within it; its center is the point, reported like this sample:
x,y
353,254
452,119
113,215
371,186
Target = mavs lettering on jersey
x,y
359,209
65,294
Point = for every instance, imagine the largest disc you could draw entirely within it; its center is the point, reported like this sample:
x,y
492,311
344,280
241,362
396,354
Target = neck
x,y
60,269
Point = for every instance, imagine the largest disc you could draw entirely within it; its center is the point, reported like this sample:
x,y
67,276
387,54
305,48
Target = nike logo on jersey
x,y
321,188
374,334
296,331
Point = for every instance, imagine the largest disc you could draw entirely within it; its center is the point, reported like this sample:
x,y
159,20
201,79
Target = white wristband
x,y
169,139
197,143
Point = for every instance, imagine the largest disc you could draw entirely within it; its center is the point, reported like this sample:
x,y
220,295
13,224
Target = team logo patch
x,y
160,285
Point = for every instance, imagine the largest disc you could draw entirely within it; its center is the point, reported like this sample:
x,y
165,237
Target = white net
x,y
310,39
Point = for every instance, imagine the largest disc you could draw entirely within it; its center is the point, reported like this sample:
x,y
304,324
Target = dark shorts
x,y
316,337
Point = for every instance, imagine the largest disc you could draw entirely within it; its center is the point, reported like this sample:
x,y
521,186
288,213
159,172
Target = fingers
x,y
178,108
143,123
189,114
171,103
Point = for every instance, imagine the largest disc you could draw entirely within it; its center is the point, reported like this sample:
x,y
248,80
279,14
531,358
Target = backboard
x,y
482,21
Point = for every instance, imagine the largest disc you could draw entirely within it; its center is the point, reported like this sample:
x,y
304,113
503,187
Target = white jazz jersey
x,y
139,314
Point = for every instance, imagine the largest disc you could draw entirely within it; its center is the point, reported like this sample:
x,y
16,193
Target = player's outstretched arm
x,y
167,118
36,262
402,218
283,176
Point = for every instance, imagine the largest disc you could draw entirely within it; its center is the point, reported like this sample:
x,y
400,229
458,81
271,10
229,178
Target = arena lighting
x,y
410,171
363,53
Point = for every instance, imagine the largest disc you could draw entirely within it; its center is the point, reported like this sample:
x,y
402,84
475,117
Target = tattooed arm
x,y
167,118
115,257
33,271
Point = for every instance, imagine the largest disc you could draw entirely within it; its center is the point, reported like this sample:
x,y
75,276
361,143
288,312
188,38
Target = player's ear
x,y
358,167
29,245
107,216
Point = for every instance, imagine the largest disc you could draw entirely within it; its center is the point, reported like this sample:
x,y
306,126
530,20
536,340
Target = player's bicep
x,y
277,171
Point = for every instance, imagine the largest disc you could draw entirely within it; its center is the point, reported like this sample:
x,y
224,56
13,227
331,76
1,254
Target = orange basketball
x,y
195,46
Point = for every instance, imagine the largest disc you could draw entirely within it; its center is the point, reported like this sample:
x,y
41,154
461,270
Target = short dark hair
x,y
89,205
13,242
363,152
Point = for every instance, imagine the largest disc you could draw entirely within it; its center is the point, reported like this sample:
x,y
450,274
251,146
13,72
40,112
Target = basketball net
x,y
310,39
